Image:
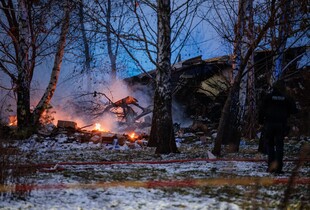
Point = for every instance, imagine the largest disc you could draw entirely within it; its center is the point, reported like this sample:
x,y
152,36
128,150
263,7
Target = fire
x,y
98,127
12,120
132,136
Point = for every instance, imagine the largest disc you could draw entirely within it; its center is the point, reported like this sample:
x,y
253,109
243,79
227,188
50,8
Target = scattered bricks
x,y
108,139
83,138
66,124
96,139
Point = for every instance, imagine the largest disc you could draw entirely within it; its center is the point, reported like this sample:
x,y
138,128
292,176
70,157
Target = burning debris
x,y
114,141
98,127
12,120
97,135
123,109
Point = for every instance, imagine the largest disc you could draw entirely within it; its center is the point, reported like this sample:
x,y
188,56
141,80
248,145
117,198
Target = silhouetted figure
x,y
276,108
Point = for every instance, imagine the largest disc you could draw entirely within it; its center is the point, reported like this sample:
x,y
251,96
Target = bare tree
x,y
82,50
229,126
231,117
248,123
49,92
152,31
84,37
171,20
287,30
279,42
108,19
111,54
23,43
162,134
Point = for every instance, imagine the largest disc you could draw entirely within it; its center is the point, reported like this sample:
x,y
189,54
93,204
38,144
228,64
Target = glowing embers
x,y
12,120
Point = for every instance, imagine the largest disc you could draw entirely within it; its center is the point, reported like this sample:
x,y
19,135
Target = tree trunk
x,y
281,41
240,46
86,68
49,92
228,132
234,108
248,117
162,133
24,67
112,56
23,102
246,40
84,37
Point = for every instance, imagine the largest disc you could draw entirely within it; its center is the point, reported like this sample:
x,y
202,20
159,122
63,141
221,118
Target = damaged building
x,y
200,86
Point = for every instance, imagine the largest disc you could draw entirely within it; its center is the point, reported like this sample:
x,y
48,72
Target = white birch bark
x,y
238,54
49,92
162,134
247,40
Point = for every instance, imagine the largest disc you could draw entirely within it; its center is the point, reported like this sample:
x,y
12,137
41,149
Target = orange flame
x,y
132,136
98,127
12,120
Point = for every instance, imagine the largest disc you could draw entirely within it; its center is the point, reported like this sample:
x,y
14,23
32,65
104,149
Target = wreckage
x,y
201,86
124,108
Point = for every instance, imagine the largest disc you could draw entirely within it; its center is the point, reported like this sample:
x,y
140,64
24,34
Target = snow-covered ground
x,y
122,178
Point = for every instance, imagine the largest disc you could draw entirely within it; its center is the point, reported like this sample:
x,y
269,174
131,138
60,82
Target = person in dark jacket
x,y
274,112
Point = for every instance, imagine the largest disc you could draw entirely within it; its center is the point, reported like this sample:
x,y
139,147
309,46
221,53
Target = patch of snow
x,y
53,150
116,198
210,155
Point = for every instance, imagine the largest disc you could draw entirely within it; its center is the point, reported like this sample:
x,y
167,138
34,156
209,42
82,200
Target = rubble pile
x,y
68,132
66,136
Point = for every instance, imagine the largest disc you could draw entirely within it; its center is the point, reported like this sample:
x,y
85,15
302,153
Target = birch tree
x,y
229,130
25,64
247,93
231,118
23,43
229,126
162,133
49,92
151,33
171,19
